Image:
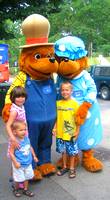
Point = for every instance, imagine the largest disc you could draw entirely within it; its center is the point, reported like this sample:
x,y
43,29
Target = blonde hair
x,y
16,124
67,83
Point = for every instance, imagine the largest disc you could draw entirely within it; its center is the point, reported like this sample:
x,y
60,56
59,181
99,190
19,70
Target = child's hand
x,y
36,159
54,132
15,143
75,135
17,165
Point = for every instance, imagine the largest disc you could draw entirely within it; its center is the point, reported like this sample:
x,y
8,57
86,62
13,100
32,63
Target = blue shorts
x,y
70,147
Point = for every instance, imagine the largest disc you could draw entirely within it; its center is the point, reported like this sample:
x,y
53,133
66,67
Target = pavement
x,y
86,185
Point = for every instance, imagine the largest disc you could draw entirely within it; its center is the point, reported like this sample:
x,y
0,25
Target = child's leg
x,y
26,183
72,172
61,148
18,176
72,162
72,151
16,190
26,191
16,185
64,169
64,158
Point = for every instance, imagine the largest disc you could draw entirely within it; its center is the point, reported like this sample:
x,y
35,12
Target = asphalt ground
x,y
86,185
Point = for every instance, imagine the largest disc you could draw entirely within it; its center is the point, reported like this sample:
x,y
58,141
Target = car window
x,y
102,71
97,71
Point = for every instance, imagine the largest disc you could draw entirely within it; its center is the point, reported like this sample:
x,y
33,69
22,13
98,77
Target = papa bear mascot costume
x,y
71,55
37,64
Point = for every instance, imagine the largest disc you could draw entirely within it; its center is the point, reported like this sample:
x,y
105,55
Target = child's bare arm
x,y
76,132
9,129
12,156
54,129
34,155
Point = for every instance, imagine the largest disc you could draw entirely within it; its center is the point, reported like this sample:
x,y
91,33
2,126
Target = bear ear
x,y
84,63
21,61
22,58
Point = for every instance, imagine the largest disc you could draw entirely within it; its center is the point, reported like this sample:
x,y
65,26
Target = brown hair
x,y
17,91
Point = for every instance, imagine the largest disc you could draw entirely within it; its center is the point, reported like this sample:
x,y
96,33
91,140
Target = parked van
x,y
101,76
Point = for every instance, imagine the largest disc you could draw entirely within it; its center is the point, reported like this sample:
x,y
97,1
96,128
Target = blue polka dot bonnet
x,y
70,47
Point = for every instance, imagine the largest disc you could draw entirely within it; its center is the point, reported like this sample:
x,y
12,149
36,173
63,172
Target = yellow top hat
x,y
36,29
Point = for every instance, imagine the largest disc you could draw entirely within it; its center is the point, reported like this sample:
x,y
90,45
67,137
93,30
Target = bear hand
x,y
82,113
6,112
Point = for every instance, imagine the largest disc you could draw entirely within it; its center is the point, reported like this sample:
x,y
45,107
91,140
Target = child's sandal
x,y
72,173
16,193
62,172
28,193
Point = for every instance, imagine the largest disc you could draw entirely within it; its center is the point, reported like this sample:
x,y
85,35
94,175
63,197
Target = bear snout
x,y
52,59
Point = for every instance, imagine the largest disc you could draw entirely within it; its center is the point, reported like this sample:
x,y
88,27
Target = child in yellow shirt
x,y
66,129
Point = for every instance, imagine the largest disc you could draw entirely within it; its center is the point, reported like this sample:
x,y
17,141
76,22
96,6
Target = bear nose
x,y
52,59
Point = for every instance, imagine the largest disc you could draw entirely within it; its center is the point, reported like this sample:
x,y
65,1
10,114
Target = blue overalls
x,y
40,109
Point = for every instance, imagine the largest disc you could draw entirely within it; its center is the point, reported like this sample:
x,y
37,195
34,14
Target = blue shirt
x,y
23,154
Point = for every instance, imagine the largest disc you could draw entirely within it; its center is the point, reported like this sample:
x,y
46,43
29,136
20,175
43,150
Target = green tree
x,y
88,19
18,39
19,9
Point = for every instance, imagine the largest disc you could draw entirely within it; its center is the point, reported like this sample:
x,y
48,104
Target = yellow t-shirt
x,y
66,126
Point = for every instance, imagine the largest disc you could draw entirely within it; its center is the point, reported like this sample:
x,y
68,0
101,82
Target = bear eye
x,y
37,56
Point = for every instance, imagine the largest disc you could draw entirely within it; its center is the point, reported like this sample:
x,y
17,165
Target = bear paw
x,y
47,169
6,112
37,175
90,163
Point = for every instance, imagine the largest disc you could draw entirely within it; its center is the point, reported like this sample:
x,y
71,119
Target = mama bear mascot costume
x,y
71,55
37,65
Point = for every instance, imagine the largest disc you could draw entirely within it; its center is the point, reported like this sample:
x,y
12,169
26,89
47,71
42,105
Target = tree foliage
x,y
12,13
88,19
19,9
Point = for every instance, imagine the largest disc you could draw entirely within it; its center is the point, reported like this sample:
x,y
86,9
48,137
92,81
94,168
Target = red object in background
x,y
4,72
4,63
